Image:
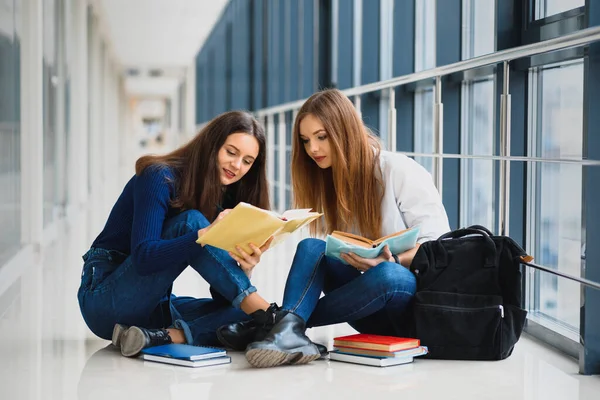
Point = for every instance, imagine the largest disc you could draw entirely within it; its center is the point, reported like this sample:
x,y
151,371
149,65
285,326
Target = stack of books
x,y
186,355
376,350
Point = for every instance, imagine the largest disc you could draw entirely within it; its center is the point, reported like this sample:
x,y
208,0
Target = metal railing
x,y
504,57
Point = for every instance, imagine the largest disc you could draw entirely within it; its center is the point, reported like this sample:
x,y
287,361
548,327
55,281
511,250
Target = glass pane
x,y
478,27
424,35
477,186
546,8
424,126
558,188
10,131
50,108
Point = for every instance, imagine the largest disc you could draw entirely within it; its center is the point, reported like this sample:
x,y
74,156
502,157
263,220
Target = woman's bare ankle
x,y
253,302
176,335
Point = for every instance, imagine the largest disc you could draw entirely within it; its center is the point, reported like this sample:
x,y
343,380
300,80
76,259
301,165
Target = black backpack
x,y
468,300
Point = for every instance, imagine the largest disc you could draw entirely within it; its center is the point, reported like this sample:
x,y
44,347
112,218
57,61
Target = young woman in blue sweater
x,y
150,238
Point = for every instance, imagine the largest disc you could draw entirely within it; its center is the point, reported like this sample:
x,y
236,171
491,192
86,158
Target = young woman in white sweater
x,y
339,169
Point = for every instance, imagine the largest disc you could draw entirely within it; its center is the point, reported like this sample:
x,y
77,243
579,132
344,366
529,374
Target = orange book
x,y
376,342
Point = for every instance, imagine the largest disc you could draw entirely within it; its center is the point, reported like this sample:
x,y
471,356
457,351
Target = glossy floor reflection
x,y
48,353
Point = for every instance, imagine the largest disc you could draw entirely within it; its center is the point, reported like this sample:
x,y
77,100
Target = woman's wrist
x,y
396,259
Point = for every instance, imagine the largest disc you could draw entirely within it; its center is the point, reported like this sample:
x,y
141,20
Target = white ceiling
x,y
165,34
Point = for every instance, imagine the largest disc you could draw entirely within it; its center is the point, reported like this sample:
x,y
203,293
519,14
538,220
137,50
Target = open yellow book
x,y
249,224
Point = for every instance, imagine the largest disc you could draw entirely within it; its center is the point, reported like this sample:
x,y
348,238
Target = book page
x,y
381,240
300,213
352,239
292,226
243,225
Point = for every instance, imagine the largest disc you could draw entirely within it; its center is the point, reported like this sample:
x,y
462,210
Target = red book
x,y
376,342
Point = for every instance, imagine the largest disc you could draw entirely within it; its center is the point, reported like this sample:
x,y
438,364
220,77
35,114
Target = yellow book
x,y
249,224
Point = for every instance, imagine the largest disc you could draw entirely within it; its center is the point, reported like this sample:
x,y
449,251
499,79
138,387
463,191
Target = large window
x,y
424,126
10,131
555,208
477,176
50,107
477,119
424,59
546,8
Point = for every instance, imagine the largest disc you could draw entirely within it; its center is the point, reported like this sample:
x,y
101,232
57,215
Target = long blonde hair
x,y
350,192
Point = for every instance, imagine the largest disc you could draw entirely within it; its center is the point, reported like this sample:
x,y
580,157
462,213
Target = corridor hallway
x,y
48,353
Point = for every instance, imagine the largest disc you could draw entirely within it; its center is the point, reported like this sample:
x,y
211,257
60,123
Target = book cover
x,y
249,224
341,242
184,352
373,361
376,342
415,352
188,363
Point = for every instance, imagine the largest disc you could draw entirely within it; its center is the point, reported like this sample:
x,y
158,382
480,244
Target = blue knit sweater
x,y
135,224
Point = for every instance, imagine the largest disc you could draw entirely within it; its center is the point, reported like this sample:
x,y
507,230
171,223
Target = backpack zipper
x,y
499,307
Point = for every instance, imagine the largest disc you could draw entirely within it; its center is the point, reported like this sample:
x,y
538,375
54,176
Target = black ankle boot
x,y
286,343
239,335
135,339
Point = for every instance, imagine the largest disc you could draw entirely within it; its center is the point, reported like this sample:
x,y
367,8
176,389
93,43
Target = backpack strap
x,y
491,258
481,228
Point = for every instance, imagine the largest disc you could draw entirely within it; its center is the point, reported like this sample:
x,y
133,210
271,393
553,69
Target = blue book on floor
x,y
184,352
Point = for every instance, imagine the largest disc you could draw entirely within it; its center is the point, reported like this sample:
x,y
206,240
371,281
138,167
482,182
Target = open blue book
x,y
342,242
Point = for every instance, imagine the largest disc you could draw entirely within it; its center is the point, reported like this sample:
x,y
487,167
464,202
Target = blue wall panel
x,y
404,64
345,56
510,18
293,71
448,32
307,9
370,61
589,356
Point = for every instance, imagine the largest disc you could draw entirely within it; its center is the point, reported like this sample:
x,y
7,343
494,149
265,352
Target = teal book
x,y
342,242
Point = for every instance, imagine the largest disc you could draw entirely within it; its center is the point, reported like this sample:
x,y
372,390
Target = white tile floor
x,y
47,352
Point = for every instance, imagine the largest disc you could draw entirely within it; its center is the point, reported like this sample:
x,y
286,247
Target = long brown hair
x,y
196,172
350,192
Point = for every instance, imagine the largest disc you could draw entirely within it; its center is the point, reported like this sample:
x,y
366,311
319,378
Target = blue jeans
x,y
113,292
371,302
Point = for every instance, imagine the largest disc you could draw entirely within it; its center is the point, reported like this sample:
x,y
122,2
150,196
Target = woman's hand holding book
x,y
221,215
247,262
364,264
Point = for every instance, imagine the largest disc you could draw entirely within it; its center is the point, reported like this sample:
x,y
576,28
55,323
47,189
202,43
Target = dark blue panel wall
x,y
589,357
404,64
448,32
307,61
345,56
510,20
370,61
293,52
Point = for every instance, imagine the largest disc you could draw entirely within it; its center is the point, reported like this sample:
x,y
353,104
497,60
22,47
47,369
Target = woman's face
x,y
316,141
236,156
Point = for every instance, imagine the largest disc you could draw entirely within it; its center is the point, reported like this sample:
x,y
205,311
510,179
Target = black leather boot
x,y
239,335
135,339
286,343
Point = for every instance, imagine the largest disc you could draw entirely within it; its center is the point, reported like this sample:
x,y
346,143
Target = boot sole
x,y
118,331
132,342
264,358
